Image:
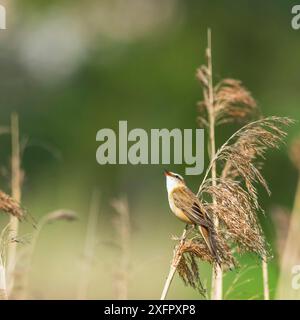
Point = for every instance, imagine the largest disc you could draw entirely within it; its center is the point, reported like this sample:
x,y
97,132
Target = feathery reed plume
x,y
245,146
289,264
16,182
122,226
237,214
237,200
89,246
230,101
233,102
251,142
57,215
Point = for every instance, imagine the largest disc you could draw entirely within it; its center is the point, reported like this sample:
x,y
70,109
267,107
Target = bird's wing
x,y
185,200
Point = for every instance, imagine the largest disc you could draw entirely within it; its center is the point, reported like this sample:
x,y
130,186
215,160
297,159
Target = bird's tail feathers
x,y
211,242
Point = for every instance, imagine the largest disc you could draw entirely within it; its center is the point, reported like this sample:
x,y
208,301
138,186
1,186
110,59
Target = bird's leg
x,y
193,226
184,235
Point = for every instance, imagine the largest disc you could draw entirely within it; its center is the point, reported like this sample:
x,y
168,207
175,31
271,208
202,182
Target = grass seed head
x,y
61,214
10,206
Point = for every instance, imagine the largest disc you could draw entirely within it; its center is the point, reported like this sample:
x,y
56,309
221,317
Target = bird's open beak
x,y
167,173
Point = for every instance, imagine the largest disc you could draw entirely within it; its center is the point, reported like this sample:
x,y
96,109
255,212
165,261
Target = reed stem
x,y
265,279
16,194
175,261
123,227
217,282
289,266
3,292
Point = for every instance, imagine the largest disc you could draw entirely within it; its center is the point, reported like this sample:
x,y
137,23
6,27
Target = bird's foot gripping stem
x,y
184,234
176,238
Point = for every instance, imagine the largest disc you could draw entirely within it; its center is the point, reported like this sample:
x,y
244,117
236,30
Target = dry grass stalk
x,y
3,291
122,226
89,247
291,254
4,239
16,181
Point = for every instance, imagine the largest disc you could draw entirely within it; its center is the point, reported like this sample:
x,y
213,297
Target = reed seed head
x,y
233,102
236,198
187,267
190,251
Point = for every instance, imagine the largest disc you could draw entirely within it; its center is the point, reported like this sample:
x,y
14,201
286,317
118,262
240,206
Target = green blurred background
x,y
70,68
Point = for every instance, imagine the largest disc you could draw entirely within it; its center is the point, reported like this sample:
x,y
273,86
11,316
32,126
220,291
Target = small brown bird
x,y
187,207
